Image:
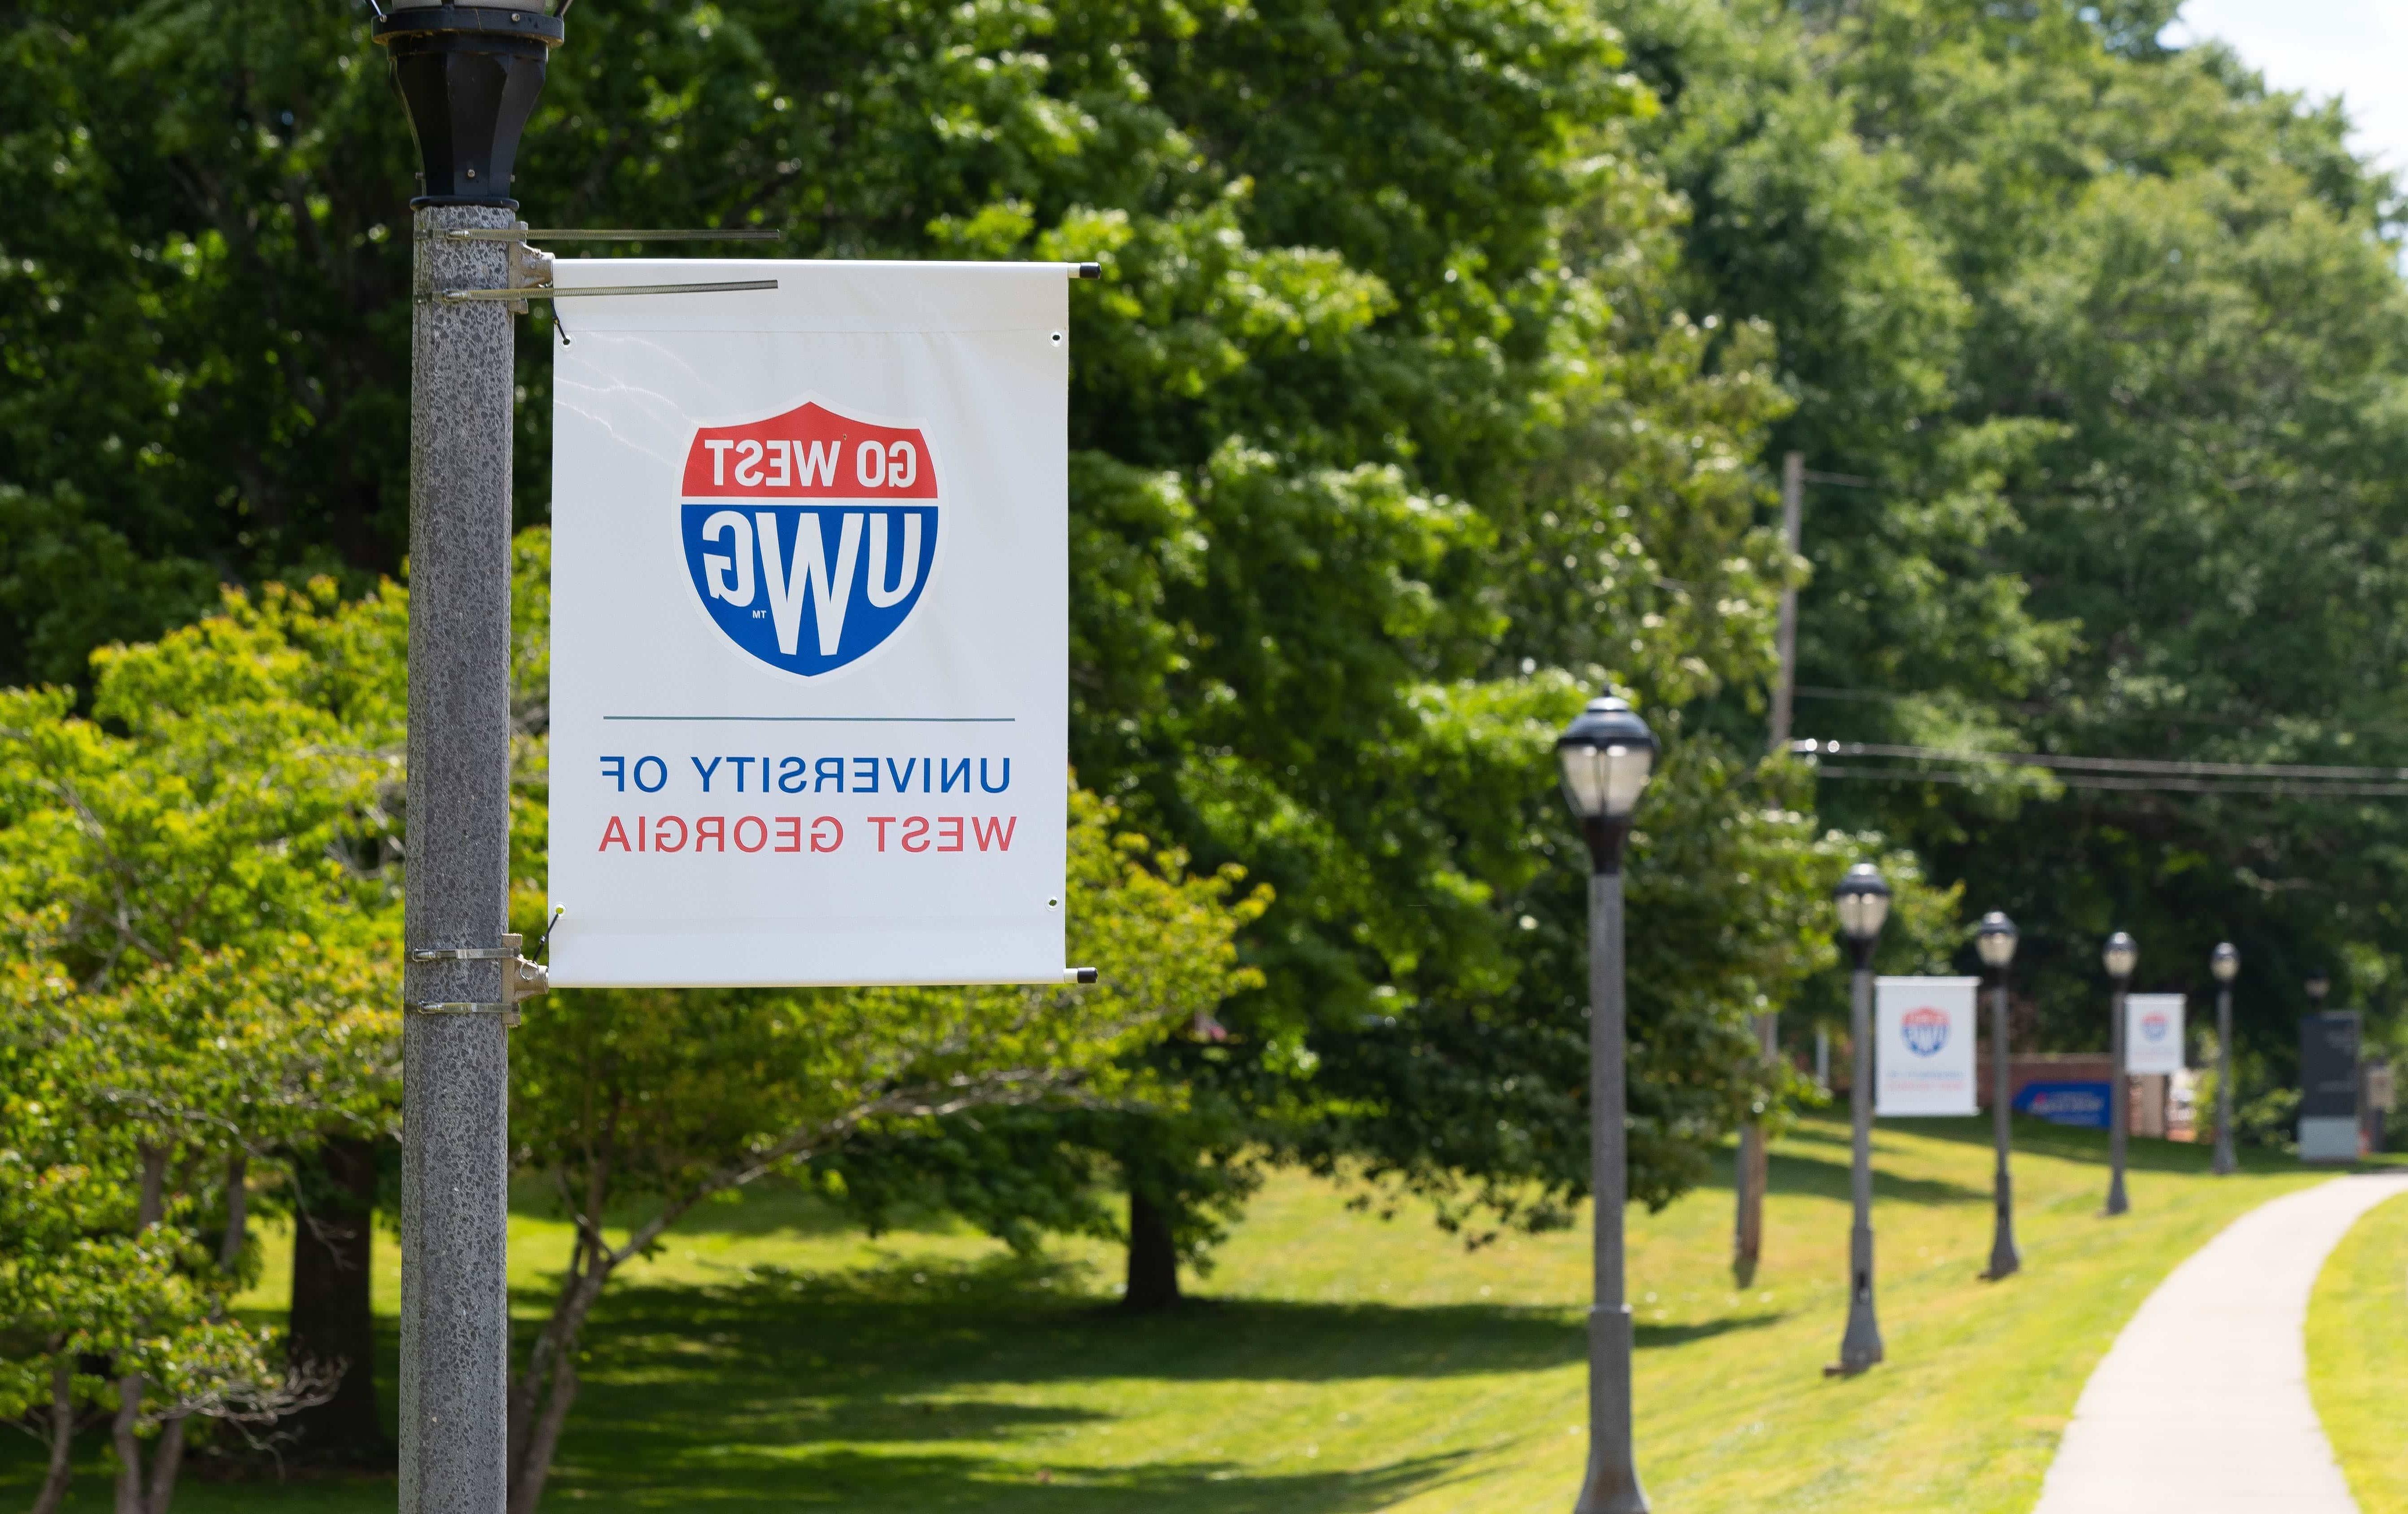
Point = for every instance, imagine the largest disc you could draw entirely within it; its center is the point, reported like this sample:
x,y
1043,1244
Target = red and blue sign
x,y
1925,1030
809,537
2083,1104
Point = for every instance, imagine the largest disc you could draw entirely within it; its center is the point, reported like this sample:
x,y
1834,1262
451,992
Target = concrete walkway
x,y
2201,1406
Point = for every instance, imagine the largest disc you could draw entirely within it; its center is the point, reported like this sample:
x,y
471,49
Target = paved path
x,y
2201,1406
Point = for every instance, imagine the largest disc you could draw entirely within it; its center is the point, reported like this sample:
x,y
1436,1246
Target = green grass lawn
x,y
2357,1355
769,1359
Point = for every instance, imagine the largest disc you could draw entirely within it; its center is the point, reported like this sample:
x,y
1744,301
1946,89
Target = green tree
x,y
2113,334
192,880
1387,332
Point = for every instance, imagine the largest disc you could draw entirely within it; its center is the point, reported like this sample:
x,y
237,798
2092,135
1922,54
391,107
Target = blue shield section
x,y
807,588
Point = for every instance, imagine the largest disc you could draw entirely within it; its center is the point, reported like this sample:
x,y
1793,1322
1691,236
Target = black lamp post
x,y
2120,956
1607,755
1862,902
2319,984
2226,964
1996,941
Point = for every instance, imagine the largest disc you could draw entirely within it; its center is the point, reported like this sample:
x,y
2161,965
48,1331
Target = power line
x,y
2088,764
2121,717
2134,785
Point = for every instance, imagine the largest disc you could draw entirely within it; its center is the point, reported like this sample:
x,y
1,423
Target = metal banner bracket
x,y
521,980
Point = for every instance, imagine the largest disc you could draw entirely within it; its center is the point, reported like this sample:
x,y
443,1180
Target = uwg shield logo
x,y
2155,1024
1926,1031
809,537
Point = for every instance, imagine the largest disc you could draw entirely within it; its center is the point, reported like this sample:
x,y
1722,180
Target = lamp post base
x,y
1861,1345
1612,1483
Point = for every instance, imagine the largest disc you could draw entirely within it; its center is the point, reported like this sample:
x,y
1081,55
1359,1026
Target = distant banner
x,y
1923,1047
2152,1033
2066,1104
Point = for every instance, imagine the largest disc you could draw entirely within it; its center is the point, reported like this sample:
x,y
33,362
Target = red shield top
x,y
809,452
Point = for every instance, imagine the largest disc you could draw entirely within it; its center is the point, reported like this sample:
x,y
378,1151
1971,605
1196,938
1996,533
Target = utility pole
x,y
1793,509
1754,1172
470,76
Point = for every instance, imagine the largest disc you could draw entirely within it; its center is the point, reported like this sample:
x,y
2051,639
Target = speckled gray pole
x,y
1611,1485
455,1090
2120,1115
1861,1345
2225,1160
2004,1258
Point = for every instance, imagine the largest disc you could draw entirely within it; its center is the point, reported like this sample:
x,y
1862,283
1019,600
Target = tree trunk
x,y
166,1462
535,1465
54,1484
130,1386
332,1318
543,1391
129,1448
1153,1257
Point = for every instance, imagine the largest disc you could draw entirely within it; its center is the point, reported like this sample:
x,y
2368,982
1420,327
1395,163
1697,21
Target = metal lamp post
x,y
1862,902
1606,755
2226,964
2318,984
1996,943
468,76
2120,956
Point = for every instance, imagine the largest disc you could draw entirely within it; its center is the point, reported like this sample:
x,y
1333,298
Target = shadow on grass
x,y
2031,1137
1650,1337
928,1385
1827,1178
766,1208
2074,1143
743,1480
917,1331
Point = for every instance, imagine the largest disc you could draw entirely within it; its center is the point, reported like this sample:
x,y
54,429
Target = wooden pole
x,y
1754,1170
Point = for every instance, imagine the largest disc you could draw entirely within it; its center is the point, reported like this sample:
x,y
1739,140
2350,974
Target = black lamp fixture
x,y
470,76
1606,755
1995,941
1862,901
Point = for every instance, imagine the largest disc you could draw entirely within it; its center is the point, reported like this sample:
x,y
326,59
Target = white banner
x,y
2152,1033
810,625
1923,1046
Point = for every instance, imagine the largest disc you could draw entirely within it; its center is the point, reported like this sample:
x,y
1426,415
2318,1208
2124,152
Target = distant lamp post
x,y
2226,964
1862,903
1607,755
2120,956
1996,943
2319,984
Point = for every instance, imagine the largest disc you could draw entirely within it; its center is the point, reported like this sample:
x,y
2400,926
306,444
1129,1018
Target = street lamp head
x,y
468,74
2225,963
1606,755
1862,901
2320,984
1996,940
2121,956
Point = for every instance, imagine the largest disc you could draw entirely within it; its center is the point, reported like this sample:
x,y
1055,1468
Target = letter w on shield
x,y
831,593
